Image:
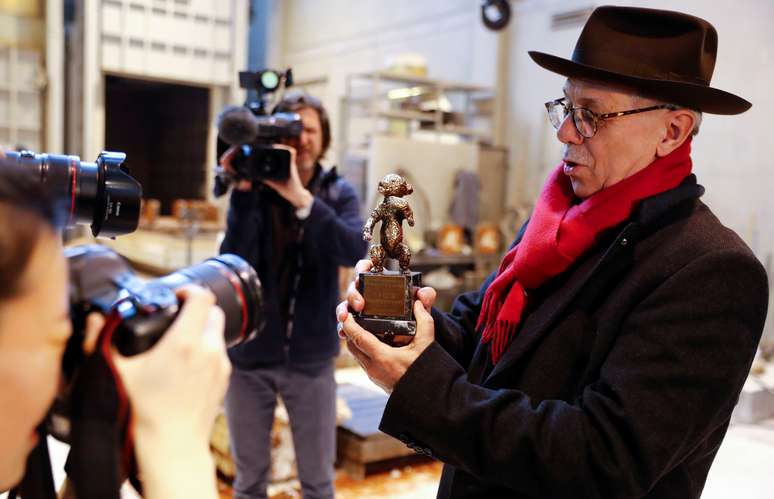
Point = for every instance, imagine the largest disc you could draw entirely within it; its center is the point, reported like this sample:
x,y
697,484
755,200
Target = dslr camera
x,y
253,130
104,195
89,411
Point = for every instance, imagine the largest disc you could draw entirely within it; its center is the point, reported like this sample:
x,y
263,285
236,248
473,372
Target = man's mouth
x,y
569,166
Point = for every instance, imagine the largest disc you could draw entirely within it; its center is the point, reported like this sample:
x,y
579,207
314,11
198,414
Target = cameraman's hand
x,y
225,160
175,390
292,189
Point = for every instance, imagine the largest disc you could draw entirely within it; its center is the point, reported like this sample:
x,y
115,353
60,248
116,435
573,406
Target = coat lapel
x,y
553,307
648,217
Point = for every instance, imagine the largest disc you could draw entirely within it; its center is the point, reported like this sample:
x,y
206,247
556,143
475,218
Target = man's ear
x,y
678,125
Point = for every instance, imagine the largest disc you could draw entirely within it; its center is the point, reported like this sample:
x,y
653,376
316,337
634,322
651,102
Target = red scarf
x,y
560,232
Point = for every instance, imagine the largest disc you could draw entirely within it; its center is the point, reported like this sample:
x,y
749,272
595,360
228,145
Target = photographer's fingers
x,y
215,349
197,304
94,324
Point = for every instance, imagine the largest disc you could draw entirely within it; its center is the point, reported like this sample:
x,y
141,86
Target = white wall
x,y
329,39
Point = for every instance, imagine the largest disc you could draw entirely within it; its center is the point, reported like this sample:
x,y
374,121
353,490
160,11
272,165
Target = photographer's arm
x,y
175,390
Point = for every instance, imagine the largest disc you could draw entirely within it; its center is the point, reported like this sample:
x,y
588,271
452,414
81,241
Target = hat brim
x,y
700,97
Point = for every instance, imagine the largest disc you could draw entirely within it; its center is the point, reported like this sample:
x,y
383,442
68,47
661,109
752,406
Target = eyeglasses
x,y
587,121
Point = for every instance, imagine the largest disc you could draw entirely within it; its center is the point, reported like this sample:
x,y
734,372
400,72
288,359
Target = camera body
x,y
255,131
101,280
138,312
260,160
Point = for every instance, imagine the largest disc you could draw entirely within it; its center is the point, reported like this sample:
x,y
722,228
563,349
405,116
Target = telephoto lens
x,y
102,280
99,194
237,291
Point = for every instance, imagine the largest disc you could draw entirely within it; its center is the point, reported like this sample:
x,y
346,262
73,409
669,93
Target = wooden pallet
x,y
361,448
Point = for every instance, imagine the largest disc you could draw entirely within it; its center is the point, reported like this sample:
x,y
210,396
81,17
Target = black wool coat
x,y
620,382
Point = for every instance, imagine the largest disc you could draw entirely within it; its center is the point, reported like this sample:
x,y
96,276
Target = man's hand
x,y
225,160
291,189
384,365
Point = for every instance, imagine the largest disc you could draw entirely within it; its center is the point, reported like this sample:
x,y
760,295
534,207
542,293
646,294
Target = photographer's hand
x,y
292,189
384,365
175,390
225,160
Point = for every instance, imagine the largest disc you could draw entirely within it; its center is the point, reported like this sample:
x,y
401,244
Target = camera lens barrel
x,y
100,194
237,291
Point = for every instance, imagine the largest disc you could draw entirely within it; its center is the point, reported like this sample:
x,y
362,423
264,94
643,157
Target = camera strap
x,y
38,481
102,448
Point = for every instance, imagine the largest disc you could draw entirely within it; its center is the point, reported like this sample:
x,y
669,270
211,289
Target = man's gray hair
x,y
697,115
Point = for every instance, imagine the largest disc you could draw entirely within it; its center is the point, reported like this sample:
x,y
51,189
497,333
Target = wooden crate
x,y
360,446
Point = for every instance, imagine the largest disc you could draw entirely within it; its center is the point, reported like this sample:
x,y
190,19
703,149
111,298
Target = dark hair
x,y
25,210
295,101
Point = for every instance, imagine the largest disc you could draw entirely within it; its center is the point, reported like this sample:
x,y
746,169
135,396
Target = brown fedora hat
x,y
662,54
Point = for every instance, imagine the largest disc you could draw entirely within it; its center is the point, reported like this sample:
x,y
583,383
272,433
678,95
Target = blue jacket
x,y
331,237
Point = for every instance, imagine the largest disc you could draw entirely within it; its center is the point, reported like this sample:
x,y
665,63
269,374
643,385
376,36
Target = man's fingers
x,y
427,296
354,298
274,185
425,323
342,311
362,339
244,185
363,266
227,157
361,358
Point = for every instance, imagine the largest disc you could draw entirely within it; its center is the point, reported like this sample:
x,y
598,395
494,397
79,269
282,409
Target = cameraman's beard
x,y
306,162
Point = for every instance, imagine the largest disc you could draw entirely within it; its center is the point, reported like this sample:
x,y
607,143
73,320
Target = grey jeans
x,y
309,394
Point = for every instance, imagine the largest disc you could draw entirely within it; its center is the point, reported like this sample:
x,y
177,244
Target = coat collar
x,y
651,214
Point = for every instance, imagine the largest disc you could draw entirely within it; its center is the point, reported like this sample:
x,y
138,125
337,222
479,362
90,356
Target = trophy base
x,y
393,332
389,298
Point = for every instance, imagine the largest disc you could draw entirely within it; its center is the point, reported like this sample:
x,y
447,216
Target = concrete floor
x,y
743,468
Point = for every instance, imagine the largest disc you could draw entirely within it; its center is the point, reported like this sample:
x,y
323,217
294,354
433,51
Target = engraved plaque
x,y
385,295
389,298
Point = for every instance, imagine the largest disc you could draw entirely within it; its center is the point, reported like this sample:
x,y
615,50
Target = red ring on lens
x,y
237,285
73,187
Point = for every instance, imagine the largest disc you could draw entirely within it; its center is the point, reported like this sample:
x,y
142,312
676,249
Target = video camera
x,y
254,131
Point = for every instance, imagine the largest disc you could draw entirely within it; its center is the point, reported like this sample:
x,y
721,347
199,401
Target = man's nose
x,y
567,133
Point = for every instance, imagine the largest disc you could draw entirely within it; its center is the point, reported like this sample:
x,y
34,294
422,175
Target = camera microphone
x,y
237,125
